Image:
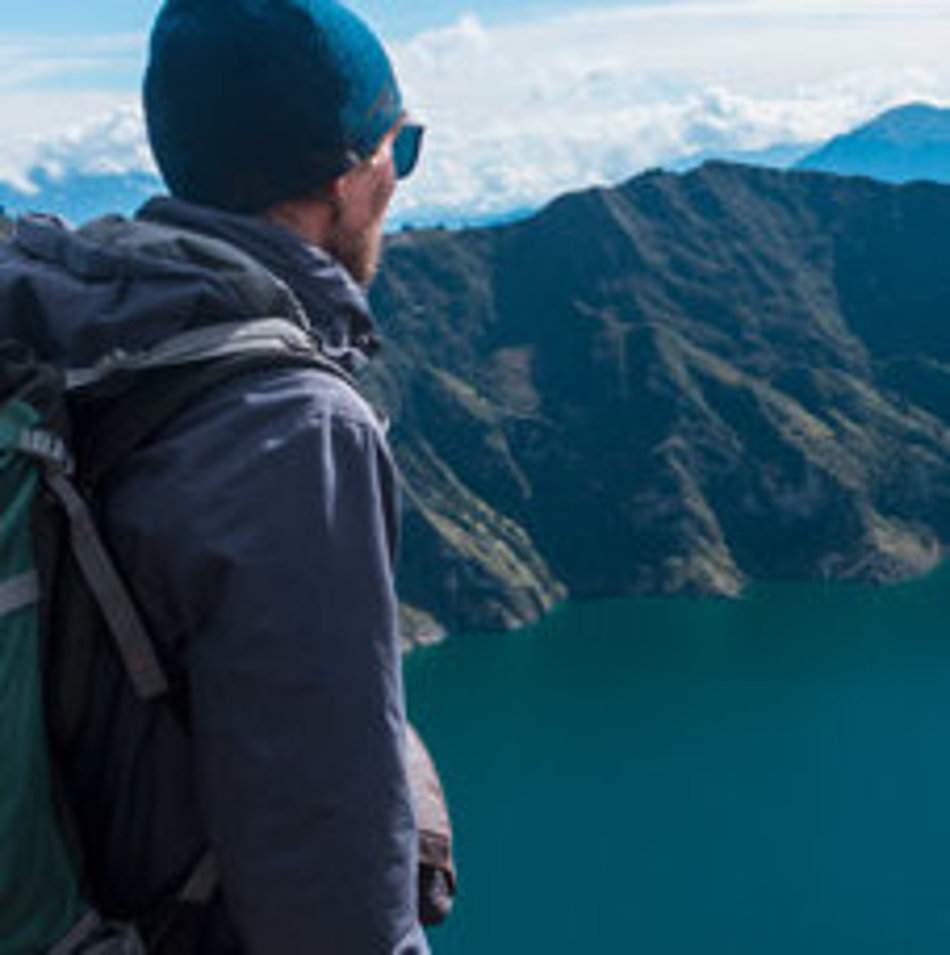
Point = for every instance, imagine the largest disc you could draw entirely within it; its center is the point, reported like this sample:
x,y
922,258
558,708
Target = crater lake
x,y
762,776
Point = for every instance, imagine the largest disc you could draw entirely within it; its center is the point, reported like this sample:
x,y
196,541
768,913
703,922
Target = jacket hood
x,y
335,305
75,295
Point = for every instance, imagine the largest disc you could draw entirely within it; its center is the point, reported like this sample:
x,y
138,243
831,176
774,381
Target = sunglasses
x,y
407,147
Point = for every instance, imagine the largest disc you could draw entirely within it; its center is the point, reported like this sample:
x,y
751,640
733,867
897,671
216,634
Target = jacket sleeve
x,y
274,538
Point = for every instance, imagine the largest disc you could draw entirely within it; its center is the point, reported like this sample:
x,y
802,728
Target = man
x,y
258,530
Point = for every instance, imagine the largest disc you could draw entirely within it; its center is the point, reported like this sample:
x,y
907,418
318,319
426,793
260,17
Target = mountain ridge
x,y
679,385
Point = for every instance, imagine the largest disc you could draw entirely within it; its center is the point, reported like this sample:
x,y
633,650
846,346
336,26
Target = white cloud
x,y
520,112
114,143
110,140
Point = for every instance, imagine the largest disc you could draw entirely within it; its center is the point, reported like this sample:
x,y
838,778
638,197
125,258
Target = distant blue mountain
x,y
904,144
80,196
778,156
438,217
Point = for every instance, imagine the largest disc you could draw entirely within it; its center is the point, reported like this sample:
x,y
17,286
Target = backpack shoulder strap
x,y
138,655
132,397
262,336
128,631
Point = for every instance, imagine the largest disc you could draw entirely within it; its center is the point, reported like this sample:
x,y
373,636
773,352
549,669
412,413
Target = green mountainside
x,y
676,386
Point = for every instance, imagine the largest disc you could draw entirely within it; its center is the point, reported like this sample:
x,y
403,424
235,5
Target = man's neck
x,y
309,219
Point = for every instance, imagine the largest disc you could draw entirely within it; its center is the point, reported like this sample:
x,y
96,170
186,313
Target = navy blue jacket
x,y
258,533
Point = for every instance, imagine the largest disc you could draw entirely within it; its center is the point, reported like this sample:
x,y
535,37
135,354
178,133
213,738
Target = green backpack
x,y
42,908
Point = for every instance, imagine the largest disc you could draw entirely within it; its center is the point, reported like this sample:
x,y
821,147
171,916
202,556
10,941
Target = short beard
x,y
357,252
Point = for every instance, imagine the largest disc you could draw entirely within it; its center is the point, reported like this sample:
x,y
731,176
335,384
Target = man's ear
x,y
340,190
337,188
336,195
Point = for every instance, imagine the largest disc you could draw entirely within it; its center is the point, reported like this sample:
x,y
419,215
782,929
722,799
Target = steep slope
x,y
675,386
904,144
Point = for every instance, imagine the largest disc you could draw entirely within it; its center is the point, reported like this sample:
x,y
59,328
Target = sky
x,y
523,99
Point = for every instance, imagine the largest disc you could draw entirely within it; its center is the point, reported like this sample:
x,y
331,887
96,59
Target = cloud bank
x,y
521,112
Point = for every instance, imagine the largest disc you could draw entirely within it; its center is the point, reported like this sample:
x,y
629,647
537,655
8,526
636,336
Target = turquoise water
x,y
759,777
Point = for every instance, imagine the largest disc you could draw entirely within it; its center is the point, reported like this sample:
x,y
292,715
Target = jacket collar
x,y
337,308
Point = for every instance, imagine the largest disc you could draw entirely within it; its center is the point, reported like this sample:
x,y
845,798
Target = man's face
x,y
360,206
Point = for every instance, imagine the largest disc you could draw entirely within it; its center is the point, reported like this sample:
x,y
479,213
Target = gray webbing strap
x,y
265,335
92,934
42,445
138,655
78,935
19,592
201,884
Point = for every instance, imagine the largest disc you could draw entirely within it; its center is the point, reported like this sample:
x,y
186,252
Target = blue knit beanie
x,y
251,102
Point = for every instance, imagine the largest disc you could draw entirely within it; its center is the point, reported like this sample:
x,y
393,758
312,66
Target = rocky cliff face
x,y
675,386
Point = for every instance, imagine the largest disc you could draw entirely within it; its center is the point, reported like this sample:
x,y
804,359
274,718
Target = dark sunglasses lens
x,y
406,149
